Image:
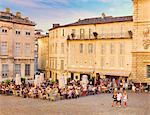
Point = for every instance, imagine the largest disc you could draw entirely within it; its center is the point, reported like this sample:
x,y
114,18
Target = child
x,y
119,97
114,98
125,97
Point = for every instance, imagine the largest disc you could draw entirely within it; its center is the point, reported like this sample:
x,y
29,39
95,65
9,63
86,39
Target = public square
x,y
138,104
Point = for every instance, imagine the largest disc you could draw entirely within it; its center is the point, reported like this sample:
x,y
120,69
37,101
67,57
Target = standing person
x,y
125,98
119,97
114,98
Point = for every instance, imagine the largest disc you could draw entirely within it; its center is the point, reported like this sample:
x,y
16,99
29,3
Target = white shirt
x,y
119,96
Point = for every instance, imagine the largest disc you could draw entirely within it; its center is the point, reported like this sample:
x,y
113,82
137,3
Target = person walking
x,y
125,98
119,97
114,98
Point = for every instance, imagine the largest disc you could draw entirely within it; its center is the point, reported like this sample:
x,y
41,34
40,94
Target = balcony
x,y
96,35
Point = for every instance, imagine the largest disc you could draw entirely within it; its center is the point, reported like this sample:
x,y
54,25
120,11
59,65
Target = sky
x,y
47,12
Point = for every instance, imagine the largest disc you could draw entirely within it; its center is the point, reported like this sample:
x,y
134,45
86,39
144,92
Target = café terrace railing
x,y
101,36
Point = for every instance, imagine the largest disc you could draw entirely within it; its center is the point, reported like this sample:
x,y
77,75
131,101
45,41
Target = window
x,y
102,49
90,48
17,69
112,32
27,69
27,49
102,32
52,63
112,48
76,77
122,48
53,48
62,65
56,64
4,30
62,48
4,49
73,31
5,70
17,49
81,33
102,62
81,48
90,33
56,33
28,33
148,71
111,61
121,61
121,34
56,48
17,32
63,32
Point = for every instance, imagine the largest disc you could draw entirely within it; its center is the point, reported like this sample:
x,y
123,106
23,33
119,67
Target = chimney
x,y
18,14
103,15
7,10
56,25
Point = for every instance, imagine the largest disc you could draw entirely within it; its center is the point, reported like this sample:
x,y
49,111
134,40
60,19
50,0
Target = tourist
x,y
114,98
125,97
133,88
119,97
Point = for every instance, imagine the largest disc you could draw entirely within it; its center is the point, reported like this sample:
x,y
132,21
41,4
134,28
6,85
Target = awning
x,y
80,71
116,73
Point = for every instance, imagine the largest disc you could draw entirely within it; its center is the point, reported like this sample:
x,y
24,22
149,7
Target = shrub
x,y
7,81
53,81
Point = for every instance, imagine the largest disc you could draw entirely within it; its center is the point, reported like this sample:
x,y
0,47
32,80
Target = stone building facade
x,y
141,42
43,54
75,50
103,46
16,45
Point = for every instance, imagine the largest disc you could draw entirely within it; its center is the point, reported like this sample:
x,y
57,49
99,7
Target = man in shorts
x,y
119,97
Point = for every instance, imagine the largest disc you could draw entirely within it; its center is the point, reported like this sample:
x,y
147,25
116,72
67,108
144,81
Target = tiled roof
x,y
99,20
9,17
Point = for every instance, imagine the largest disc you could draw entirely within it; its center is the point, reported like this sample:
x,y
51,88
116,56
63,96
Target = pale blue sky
x,y
47,12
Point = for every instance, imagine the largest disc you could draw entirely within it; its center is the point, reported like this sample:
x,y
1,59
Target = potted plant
x,y
95,34
53,81
7,81
72,35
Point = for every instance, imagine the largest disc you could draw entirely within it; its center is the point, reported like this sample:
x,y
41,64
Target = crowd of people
x,y
73,89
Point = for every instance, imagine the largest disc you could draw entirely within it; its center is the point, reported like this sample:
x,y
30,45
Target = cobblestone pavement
x,y
138,104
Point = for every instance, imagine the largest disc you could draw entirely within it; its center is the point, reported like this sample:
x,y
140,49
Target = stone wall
x,y
139,66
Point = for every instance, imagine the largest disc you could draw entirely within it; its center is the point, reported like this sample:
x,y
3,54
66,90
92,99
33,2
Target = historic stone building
x,y
16,45
96,47
105,46
141,42
43,54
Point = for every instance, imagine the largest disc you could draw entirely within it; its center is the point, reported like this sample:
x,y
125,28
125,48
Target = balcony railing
x,y
127,34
